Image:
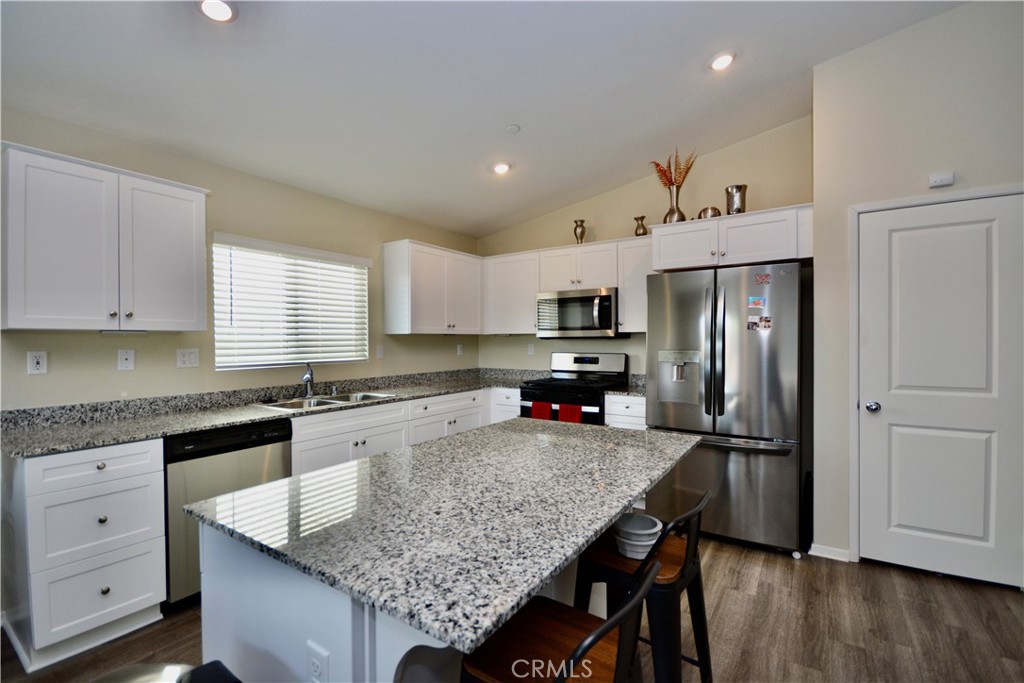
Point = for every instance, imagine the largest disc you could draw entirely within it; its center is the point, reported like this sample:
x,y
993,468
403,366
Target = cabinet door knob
x,y
712,252
355,443
455,420
102,519
363,442
113,314
101,465
129,314
105,590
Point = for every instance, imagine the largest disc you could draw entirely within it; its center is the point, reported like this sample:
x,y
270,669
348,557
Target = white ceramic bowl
x,y
636,550
638,526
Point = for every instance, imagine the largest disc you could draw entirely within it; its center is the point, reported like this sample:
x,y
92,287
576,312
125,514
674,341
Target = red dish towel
x,y
570,413
540,411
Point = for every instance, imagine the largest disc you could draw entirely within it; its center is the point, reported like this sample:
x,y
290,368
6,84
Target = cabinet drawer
x,y
424,407
67,526
47,473
502,396
326,424
625,422
80,596
627,406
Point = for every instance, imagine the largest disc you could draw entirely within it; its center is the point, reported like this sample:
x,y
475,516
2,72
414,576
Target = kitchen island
x,y
436,544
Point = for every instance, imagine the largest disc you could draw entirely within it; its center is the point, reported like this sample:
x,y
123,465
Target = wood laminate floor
x,y
771,618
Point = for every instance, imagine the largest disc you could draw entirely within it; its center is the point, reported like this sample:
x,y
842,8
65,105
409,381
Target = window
x,y
277,304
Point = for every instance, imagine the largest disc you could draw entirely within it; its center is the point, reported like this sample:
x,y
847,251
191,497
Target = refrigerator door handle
x,y
708,336
720,353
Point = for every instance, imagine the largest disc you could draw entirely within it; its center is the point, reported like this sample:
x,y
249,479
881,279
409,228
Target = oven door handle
x,y
554,406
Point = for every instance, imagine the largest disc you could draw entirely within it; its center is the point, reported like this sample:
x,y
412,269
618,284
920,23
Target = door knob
x,y
873,406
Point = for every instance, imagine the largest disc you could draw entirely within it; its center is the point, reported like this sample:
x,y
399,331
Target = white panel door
x,y
510,294
557,270
634,267
941,366
597,266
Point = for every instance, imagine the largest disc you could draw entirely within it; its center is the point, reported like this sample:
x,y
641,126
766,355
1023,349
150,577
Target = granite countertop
x,y
34,440
452,536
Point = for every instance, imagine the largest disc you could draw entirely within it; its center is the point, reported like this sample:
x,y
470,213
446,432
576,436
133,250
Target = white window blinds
x,y
276,304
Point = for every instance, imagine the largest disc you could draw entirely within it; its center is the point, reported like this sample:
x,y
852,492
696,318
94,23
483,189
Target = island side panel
x,y
258,615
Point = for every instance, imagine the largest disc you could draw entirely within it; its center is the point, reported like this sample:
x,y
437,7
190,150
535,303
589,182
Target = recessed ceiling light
x,y
721,61
220,11
501,168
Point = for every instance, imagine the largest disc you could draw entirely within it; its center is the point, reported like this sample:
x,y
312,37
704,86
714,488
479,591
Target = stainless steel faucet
x,y
308,380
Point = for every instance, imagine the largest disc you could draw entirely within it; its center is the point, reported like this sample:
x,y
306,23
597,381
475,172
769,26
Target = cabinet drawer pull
x,y
105,590
102,519
101,465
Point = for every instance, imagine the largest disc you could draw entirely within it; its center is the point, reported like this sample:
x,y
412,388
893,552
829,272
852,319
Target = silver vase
x,y
735,199
641,229
675,214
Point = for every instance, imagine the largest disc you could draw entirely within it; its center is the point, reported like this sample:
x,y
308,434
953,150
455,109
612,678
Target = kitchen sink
x,y
326,401
305,403
359,396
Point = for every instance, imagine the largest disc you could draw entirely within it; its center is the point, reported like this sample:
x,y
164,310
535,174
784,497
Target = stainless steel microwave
x,y
578,313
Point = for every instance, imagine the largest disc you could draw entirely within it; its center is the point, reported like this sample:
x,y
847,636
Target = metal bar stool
x,y
532,645
676,551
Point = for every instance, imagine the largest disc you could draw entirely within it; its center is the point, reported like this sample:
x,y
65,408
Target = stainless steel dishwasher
x,y
208,463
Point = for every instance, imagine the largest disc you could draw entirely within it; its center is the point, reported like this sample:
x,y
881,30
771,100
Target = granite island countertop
x,y
452,536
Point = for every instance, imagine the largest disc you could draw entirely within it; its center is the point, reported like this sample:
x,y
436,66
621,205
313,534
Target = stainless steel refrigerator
x,y
729,358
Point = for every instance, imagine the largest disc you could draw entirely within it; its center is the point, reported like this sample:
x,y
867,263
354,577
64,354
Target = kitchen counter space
x,y
452,536
73,436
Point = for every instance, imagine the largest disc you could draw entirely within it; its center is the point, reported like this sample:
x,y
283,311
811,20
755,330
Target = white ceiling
x,y
402,106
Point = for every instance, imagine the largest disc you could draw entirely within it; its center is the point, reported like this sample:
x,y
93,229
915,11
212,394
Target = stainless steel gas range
x,y
575,390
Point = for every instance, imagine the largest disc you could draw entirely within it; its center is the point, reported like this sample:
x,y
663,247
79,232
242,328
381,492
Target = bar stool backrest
x,y
686,524
628,621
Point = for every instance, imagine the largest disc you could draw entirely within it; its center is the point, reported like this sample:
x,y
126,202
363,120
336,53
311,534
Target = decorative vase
x,y
674,215
735,199
580,230
641,229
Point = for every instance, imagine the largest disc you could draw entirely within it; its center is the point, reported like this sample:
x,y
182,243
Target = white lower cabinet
x,y
328,439
83,548
504,404
440,416
627,412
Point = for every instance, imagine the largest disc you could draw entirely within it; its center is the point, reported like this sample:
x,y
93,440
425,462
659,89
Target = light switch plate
x,y
187,358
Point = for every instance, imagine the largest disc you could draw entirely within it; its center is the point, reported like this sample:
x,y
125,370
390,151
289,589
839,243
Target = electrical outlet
x,y
187,358
529,349
380,351
125,359
458,349
37,362
318,663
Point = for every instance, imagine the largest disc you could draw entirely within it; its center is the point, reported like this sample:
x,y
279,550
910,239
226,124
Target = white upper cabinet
x,y
634,267
773,235
582,267
428,290
510,293
89,248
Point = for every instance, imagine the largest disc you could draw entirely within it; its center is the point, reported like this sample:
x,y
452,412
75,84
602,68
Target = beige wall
x,y
943,94
82,365
775,166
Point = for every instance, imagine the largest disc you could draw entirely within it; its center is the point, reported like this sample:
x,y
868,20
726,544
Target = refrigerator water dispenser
x,y
679,376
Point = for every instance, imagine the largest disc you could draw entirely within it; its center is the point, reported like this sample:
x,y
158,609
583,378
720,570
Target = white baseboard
x,y
830,553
